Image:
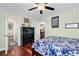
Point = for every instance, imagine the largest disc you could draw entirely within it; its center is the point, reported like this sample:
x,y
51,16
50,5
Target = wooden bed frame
x,y
35,53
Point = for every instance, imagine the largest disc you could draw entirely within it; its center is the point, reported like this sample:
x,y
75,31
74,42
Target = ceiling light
x,y
41,8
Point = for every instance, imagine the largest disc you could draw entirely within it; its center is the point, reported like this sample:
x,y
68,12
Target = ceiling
x,y
23,8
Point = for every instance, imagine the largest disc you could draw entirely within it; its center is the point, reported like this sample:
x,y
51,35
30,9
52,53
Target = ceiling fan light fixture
x,y
40,7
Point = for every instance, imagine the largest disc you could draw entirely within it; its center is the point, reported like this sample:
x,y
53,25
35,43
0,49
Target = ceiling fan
x,y
41,7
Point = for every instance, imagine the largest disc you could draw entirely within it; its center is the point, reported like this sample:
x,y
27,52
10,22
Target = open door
x,y
10,27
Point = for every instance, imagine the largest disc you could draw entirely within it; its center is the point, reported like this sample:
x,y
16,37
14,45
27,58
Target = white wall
x,y
36,25
67,16
2,23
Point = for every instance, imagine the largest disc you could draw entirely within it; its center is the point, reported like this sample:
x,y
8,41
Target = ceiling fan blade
x,y
37,3
32,8
41,12
50,8
45,3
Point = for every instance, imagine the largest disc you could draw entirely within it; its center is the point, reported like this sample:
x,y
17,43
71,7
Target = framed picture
x,y
55,22
26,20
72,25
10,26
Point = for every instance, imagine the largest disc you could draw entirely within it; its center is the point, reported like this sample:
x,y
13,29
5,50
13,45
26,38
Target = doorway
x,y
10,40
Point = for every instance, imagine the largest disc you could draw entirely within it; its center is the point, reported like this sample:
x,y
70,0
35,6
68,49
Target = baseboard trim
x,y
1,49
19,44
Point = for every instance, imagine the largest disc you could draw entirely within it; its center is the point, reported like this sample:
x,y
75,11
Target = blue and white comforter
x,y
57,47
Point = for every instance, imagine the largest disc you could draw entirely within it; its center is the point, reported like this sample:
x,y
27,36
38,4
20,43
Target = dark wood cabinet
x,y
27,35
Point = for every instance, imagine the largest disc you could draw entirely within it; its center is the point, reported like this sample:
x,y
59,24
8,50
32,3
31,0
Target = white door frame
x,y
6,33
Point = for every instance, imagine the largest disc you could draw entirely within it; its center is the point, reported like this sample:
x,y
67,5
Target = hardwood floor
x,y
24,50
2,53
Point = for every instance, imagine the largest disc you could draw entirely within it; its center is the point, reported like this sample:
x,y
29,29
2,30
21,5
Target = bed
x,y
57,46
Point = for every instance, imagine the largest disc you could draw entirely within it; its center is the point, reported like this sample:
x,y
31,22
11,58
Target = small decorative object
x,y
42,26
42,30
72,25
23,25
55,22
29,24
26,20
10,25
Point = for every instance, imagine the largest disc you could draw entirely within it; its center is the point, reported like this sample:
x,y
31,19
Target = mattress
x,y
57,47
